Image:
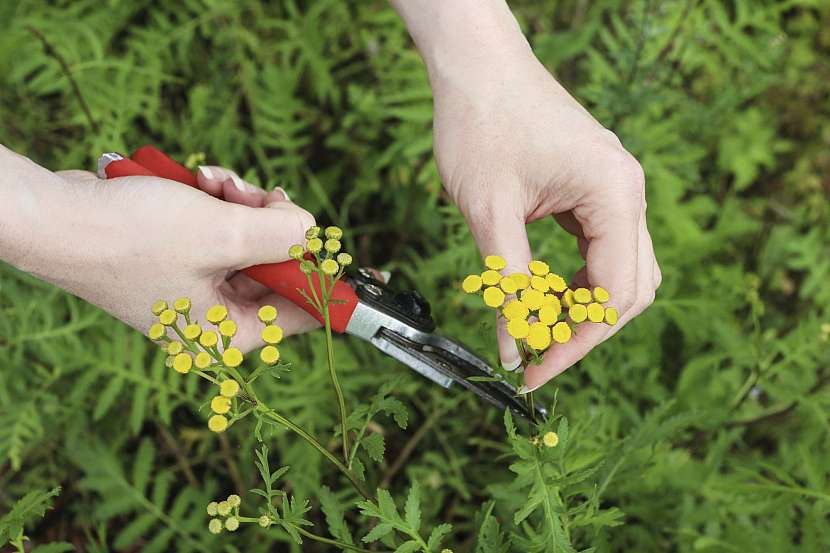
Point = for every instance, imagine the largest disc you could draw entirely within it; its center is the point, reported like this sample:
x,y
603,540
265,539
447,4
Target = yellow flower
x,y
296,252
595,312
267,313
578,312
533,299
548,314
561,332
582,295
335,233
272,334
601,294
217,314
157,331
168,317
227,328
223,508
229,388
215,526
493,297
490,277
182,363
158,307
220,405
539,268
168,361
445,550
495,262
518,328
539,283
211,508
332,245
232,524
208,339
515,309
568,298
182,305
550,299
556,282
329,267
232,357
218,423
344,259
203,360
264,521
312,232
234,500
522,280
174,348
472,284
539,336
550,439
192,331
306,266
611,316
315,245
269,355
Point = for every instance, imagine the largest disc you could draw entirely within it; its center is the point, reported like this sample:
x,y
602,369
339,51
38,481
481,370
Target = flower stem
x,y
341,403
322,539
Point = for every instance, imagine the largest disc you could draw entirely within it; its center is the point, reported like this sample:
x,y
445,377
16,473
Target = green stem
x,y
329,541
341,403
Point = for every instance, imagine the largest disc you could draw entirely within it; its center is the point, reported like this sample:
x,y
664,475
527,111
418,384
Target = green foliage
x,y
702,426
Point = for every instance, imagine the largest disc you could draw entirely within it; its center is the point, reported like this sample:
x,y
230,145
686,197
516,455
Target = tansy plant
x,y
207,351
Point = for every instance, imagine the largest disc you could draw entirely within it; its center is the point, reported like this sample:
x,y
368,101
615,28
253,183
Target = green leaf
x,y
412,509
31,506
374,445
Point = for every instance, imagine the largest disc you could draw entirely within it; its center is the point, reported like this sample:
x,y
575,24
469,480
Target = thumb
x,y
500,230
266,233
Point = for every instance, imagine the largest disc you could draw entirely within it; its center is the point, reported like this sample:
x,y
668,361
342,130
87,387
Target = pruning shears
x,y
399,323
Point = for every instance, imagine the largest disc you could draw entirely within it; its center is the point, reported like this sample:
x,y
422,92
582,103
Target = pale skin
x,y
512,147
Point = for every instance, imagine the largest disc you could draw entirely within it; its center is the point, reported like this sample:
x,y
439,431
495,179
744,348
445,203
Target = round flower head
x,y
332,245
315,245
157,331
211,508
611,316
550,299
329,267
174,348
312,232
202,360
518,328
192,331
223,508
445,550
493,297
522,280
582,295
218,423
533,299
556,282
232,357
550,439
344,259
168,361
217,314
220,405
168,317
264,521
490,277
508,285
568,298
215,526
578,313
515,309
539,283
472,284
539,336
182,305
234,500
272,334
182,363
548,314
267,313
306,266
495,262
601,294
561,333
296,252
158,307
208,339
596,313
232,524
538,268
227,328
229,388
269,355
334,233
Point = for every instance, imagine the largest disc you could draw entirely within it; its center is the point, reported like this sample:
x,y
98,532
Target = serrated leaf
x,y
437,536
375,446
412,509
378,532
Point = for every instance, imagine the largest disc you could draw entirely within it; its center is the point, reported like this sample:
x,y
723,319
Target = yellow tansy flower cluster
x,y
322,252
227,510
539,307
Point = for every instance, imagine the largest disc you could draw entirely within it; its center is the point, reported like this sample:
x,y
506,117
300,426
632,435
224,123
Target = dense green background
x,y
704,424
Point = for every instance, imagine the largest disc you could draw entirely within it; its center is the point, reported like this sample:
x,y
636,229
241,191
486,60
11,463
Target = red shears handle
x,y
284,278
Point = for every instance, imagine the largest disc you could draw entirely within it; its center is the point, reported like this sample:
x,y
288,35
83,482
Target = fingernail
x,y
284,193
522,391
386,276
208,174
526,389
252,189
511,364
237,182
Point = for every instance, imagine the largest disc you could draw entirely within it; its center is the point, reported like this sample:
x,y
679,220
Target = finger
x,y
645,281
264,234
252,197
76,175
290,317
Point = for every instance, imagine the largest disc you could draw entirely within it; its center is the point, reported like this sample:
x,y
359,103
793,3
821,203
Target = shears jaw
x,y
105,160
